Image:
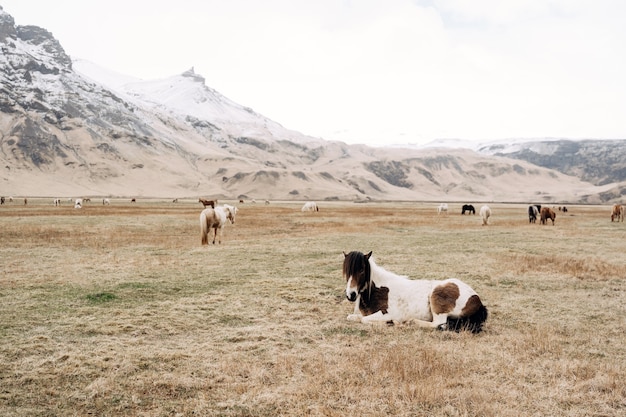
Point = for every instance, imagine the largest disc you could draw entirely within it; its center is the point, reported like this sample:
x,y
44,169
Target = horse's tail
x,y
204,232
472,323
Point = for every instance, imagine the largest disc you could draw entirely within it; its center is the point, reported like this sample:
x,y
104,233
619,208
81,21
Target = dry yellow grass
x,y
118,310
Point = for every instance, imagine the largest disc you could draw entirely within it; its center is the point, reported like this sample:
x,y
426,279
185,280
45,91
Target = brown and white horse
x,y
381,296
547,213
215,218
205,203
617,213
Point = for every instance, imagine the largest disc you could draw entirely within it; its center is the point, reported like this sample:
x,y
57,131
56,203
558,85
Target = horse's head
x,y
356,271
231,212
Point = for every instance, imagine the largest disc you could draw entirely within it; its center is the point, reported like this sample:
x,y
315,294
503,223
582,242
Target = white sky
x,y
372,71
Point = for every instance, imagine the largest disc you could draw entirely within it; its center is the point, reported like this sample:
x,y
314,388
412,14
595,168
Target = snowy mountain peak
x,y
192,74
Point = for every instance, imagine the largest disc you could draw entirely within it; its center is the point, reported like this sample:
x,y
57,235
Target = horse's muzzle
x,y
351,296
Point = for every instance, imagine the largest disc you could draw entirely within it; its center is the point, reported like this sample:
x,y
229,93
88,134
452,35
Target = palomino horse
x,y
310,206
215,218
617,213
547,213
485,213
381,296
205,203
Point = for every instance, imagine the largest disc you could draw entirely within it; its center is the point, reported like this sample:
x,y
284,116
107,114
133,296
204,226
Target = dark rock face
x,y
599,162
7,26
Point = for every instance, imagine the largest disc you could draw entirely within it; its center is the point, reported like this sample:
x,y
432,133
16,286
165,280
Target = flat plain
x,y
119,311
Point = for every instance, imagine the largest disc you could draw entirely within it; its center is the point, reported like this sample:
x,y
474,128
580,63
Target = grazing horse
x,y
78,203
106,202
617,213
547,213
310,206
57,202
533,213
1,200
469,208
215,218
205,203
485,213
443,208
381,296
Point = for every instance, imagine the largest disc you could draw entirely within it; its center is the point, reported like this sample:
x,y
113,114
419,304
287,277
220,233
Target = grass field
x,y
118,311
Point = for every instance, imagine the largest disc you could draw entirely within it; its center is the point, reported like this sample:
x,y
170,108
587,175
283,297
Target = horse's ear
x,y
368,255
345,254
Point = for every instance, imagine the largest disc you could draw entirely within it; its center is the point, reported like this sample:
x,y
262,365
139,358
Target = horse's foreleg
x,y
378,318
438,321
356,316
214,234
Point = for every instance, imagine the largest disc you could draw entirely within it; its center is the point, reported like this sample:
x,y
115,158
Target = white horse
x,y
106,202
485,213
310,206
78,203
215,218
57,201
383,297
443,208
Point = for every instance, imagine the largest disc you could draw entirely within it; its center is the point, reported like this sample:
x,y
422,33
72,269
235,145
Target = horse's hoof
x,y
354,317
442,327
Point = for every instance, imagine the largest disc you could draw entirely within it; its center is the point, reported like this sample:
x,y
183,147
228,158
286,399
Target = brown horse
x,y
205,203
617,213
547,213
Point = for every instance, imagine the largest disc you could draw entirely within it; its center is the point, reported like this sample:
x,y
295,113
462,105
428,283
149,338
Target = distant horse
x,y
1,200
469,208
443,208
547,213
485,213
533,213
381,296
205,203
132,200
57,202
106,202
617,213
78,203
310,206
215,218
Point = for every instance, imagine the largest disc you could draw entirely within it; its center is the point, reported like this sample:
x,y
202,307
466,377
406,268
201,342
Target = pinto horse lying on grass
x,y
381,296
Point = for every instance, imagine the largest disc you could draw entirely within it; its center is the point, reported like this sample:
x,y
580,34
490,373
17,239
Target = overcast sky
x,y
372,71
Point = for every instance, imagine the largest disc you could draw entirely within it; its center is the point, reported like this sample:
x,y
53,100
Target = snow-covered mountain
x,y
70,128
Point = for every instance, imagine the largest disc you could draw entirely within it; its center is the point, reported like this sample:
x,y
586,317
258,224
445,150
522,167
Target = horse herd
x,y
381,296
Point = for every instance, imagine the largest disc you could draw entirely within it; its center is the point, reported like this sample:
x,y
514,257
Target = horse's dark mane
x,y
372,298
354,262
